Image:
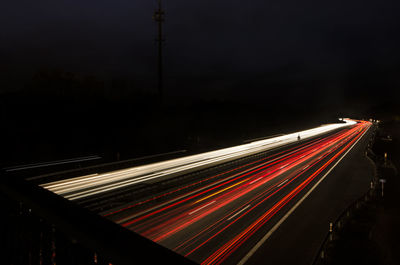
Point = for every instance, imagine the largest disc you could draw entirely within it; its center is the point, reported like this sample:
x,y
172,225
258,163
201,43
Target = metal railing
x,y
40,227
323,256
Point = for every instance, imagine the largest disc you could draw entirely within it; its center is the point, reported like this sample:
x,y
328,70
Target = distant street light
x,y
382,181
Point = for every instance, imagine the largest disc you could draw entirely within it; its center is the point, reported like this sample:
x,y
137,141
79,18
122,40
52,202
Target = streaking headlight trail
x,y
85,186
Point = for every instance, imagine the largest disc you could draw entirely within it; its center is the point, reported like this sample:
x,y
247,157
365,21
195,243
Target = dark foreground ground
x,y
371,235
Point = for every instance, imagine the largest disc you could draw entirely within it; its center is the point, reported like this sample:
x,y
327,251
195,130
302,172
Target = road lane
x,y
221,217
304,230
201,227
87,186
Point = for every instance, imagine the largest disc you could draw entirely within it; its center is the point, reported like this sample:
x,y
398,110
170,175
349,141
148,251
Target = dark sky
x,y
213,46
233,70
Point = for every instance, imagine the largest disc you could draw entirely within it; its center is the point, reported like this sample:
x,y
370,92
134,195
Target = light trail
x,y
233,216
87,186
201,208
210,223
52,163
219,184
221,254
283,182
268,173
209,219
221,178
225,182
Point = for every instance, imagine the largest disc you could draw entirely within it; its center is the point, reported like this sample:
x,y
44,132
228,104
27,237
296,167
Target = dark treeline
x,y
58,114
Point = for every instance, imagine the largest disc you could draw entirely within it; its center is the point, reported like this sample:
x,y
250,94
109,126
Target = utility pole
x,y
159,18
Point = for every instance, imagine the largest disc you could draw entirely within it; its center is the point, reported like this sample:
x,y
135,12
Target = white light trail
x,y
85,186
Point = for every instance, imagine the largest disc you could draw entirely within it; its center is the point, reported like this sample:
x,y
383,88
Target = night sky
x,y
340,57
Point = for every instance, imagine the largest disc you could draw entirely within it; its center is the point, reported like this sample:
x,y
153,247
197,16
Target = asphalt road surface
x,y
258,213
270,209
99,183
298,239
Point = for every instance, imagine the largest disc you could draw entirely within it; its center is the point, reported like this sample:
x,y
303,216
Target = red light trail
x,y
212,218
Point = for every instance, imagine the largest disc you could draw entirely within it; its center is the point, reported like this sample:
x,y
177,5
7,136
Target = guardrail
x,y
40,227
324,253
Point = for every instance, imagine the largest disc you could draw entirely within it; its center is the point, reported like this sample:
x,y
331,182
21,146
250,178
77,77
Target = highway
x,y
226,216
95,184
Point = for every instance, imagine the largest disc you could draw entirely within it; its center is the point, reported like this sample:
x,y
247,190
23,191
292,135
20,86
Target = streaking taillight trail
x,y
209,219
202,224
